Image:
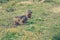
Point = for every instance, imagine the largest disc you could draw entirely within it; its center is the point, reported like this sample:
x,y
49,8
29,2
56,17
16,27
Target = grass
x,y
44,24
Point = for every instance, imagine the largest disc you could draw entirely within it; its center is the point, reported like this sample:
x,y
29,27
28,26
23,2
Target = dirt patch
x,y
56,9
25,2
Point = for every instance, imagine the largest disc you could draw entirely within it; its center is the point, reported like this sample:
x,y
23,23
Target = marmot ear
x,y
29,11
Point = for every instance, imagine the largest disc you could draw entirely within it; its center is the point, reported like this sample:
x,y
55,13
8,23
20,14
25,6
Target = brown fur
x,y
28,14
22,19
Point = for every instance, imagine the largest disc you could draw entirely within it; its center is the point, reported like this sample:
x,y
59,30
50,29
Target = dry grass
x,y
25,2
56,9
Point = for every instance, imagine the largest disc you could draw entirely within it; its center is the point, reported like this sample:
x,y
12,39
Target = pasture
x,y
44,24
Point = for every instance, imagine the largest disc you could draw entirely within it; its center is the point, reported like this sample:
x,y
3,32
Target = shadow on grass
x,y
56,37
28,23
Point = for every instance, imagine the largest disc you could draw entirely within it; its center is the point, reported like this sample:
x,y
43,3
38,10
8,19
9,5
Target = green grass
x,y
44,24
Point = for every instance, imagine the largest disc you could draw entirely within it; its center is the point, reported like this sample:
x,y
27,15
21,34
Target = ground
x,y
44,24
